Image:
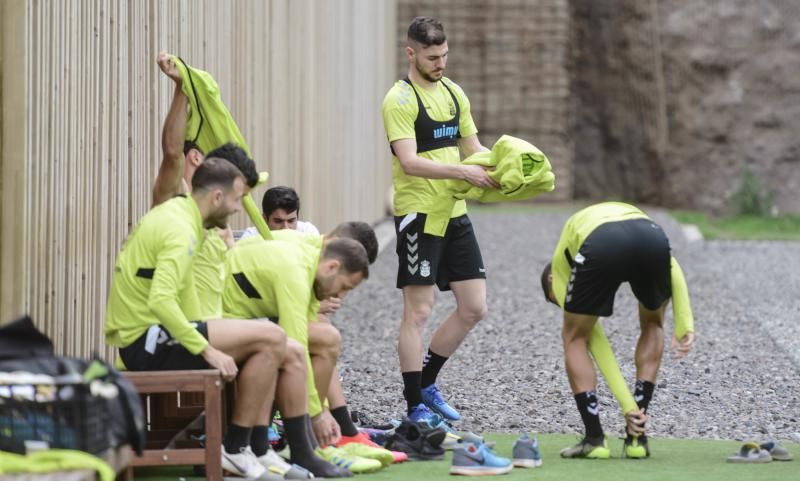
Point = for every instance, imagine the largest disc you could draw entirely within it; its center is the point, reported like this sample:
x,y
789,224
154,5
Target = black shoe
x,y
417,443
434,436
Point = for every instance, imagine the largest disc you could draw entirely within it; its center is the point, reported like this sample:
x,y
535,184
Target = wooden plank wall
x,y
512,58
82,106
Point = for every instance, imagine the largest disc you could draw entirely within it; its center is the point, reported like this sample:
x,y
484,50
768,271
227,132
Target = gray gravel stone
x,y
741,380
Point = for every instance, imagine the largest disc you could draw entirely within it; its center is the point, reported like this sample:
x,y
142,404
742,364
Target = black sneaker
x,y
415,442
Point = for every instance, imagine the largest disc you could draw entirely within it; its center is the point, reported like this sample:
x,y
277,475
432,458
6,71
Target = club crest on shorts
x,y
425,268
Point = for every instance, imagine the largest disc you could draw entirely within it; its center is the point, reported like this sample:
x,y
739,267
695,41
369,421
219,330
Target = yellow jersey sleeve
x,y
400,112
173,265
681,307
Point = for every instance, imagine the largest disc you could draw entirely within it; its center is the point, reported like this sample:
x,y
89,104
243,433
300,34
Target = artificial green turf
x,y
671,460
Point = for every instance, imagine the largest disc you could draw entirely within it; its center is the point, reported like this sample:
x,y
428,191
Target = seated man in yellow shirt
x,y
284,279
601,247
149,321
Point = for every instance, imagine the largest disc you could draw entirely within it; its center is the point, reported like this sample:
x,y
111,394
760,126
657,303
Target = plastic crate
x,y
65,416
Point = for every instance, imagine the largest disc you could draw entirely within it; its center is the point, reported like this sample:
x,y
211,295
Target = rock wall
x,y
678,99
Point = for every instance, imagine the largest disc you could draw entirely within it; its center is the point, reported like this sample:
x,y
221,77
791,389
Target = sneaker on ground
x,y
424,417
355,464
451,441
277,465
636,447
478,460
526,452
429,423
360,445
778,452
432,398
592,449
470,437
244,463
415,442
377,436
364,438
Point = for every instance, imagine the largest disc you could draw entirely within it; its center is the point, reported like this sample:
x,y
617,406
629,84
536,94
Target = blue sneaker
x,y
526,452
432,398
478,460
424,417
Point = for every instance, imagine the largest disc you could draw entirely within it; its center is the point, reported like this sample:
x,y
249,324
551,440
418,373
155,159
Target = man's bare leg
x,y
324,345
417,306
259,348
650,347
470,309
649,351
582,377
324,342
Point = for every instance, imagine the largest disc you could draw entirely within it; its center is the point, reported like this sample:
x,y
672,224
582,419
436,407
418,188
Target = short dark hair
x,y
238,157
215,172
545,283
350,253
280,197
363,233
426,31
189,145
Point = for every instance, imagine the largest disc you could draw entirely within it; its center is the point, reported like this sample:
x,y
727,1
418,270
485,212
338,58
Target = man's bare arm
x,y
471,145
170,174
412,164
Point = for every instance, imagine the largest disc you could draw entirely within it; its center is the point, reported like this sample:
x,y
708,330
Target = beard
x,y
434,76
217,219
319,289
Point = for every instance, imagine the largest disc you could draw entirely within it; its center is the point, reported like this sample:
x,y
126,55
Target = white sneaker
x,y
244,463
274,463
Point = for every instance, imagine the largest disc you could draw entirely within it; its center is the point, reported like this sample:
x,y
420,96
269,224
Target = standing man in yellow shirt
x,y
428,124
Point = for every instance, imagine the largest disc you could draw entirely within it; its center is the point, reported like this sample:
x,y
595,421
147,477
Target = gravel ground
x,y
741,381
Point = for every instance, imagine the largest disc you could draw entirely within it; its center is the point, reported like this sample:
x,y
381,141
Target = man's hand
x,y
634,422
477,175
682,348
329,305
326,429
220,361
226,235
167,66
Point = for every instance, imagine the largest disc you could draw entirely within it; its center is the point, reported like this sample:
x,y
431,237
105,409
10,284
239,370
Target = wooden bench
x,y
159,451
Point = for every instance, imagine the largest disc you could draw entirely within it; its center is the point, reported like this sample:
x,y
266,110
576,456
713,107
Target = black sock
x,y
312,438
237,438
345,422
412,385
297,438
302,449
431,366
590,413
643,393
259,440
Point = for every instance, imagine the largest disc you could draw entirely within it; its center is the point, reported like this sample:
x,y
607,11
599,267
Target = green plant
x,y
753,198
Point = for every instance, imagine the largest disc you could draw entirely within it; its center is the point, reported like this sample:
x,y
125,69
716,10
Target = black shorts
x,y
635,251
156,350
426,259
